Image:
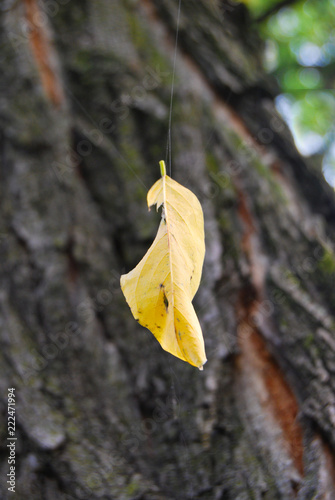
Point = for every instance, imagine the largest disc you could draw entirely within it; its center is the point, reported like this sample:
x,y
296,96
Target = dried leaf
x,y
160,289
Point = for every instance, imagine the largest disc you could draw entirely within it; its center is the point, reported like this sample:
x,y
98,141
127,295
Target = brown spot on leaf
x,y
166,302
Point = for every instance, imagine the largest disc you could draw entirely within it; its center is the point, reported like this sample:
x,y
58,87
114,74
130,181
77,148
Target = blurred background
x,y
300,54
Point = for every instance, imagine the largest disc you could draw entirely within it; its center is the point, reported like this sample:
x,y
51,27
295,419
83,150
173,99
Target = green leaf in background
x,y
300,53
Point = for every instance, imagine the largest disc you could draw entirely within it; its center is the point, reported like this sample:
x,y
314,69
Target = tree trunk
x,y
102,412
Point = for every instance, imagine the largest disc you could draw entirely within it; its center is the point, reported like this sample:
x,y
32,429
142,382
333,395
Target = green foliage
x,y
300,53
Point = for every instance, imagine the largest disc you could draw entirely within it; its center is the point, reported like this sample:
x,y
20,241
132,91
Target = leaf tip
x,y
201,367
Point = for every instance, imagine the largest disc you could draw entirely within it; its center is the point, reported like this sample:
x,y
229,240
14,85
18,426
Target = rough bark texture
x,y
102,411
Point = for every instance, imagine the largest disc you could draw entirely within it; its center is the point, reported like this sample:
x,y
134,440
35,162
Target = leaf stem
x,y
163,168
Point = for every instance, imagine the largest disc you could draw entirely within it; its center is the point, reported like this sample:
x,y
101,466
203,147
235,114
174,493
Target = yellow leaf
x,y
160,289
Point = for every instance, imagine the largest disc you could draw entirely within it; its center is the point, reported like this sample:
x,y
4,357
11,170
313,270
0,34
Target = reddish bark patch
x,y
151,10
42,50
245,215
280,398
276,167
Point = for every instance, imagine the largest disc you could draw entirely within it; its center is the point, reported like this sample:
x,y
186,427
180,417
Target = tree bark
x,y
102,412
